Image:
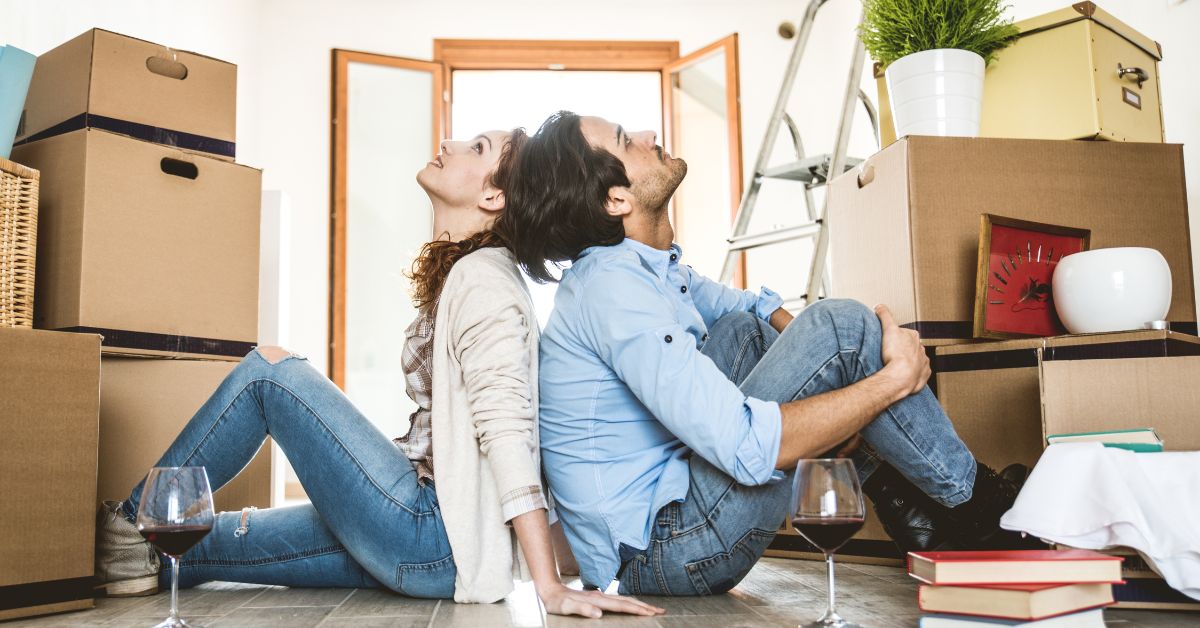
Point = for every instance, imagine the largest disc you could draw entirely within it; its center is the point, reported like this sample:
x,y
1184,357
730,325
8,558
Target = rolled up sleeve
x,y
640,340
714,300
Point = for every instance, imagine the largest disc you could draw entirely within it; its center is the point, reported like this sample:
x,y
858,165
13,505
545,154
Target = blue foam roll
x,y
16,70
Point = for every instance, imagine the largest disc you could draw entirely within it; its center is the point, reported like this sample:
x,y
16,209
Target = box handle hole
x,y
866,176
169,68
178,168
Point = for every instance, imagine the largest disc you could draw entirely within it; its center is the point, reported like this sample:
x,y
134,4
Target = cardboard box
x,y
144,404
108,81
154,248
904,225
1060,81
49,399
1091,393
1005,397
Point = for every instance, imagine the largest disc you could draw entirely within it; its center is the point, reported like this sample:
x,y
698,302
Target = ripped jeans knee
x,y
274,355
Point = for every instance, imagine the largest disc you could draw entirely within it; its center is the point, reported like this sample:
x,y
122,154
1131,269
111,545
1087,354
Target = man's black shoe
x,y
915,521
978,519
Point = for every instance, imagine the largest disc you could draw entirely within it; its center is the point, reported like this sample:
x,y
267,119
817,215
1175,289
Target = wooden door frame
x,y
733,108
536,54
339,106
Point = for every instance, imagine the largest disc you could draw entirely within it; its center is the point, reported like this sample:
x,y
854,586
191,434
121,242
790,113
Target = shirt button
x,y
683,288
668,338
674,257
704,338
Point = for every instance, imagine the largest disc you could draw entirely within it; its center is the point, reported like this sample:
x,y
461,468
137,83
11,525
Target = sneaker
x,y
126,563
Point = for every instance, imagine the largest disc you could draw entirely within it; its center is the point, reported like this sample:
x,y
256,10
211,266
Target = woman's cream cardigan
x,y
484,415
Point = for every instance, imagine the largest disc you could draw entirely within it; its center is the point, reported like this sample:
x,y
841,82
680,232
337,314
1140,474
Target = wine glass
x,y
827,509
175,513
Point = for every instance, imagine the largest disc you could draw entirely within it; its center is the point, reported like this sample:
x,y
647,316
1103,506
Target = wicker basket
x,y
18,243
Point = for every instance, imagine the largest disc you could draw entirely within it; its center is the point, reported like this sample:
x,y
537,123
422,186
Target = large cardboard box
x,y
144,404
152,247
1005,397
1062,80
104,80
49,399
904,224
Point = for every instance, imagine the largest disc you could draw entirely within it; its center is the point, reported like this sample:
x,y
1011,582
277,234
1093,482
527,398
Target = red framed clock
x,y
1017,258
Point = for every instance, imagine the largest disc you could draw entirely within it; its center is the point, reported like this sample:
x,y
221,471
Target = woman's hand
x,y
561,600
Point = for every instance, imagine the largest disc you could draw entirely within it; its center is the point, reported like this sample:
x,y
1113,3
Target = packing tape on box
x,y
16,70
145,132
169,343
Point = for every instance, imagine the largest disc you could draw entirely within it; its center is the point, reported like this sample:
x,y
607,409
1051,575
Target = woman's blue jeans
x,y
370,523
708,542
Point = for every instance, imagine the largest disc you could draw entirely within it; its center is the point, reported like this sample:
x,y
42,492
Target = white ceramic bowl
x,y
1112,289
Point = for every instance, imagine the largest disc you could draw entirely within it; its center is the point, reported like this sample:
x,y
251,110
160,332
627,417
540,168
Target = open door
x,y
388,118
702,123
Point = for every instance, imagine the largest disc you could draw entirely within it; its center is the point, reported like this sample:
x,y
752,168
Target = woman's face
x,y
459,175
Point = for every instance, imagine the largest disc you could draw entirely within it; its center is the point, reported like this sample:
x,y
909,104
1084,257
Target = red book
x,y
1014,567
1014,601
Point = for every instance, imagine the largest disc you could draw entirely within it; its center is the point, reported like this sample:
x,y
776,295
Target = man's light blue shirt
x,y
622,386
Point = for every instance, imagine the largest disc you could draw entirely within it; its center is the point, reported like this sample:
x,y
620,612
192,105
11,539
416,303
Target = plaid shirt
x,y
417,444
416,358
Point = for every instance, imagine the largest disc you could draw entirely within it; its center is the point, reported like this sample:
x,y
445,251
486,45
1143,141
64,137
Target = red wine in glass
x,y
827,509
829,534
175,513
174,540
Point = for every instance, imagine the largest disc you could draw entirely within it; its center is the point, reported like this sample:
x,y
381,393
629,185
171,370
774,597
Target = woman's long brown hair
x,y
431,267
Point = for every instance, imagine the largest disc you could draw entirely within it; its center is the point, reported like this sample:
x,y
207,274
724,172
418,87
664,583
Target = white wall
x,y
283,51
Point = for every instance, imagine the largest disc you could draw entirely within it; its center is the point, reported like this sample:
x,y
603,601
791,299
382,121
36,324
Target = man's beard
x,y
655,190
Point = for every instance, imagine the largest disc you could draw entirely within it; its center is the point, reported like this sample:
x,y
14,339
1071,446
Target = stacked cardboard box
x,y
149,237
49,400
916,205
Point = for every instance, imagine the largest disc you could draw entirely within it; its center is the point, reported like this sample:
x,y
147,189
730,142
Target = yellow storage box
x,y
1075,73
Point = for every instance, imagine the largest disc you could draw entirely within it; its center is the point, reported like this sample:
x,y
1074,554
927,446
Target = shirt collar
x,y
658,260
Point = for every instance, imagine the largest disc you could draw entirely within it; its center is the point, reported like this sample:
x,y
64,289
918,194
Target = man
x,y
674,409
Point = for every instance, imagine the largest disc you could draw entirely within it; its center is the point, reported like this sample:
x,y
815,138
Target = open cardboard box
x,y
1005,397
49,400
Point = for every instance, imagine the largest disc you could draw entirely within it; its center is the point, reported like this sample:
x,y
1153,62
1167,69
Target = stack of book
x,y
1036,588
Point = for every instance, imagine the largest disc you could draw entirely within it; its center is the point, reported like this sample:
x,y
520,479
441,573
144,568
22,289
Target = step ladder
x,y
811,170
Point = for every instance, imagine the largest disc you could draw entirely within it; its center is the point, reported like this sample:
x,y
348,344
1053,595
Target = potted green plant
x,y
935,53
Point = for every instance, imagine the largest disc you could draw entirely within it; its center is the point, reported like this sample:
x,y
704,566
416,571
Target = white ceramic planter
x,y
936,92
1112,289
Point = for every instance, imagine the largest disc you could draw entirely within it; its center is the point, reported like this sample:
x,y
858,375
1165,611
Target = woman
x,y
429,515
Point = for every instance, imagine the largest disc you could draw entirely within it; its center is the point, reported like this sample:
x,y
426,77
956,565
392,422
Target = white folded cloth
x,y
1090,496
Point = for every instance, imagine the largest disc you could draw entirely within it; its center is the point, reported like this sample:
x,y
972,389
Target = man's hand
x,y
904,359
561,600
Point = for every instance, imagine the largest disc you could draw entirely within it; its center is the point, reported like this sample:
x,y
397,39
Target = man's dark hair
x,y
555,196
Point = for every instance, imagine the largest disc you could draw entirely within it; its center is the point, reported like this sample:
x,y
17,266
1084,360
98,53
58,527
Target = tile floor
x,y
778,592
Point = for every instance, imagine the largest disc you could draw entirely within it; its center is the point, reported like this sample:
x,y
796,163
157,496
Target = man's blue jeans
x,y
707,543
370,523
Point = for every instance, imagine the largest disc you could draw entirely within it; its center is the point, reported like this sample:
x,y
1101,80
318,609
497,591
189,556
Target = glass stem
x,y
174,587
829,562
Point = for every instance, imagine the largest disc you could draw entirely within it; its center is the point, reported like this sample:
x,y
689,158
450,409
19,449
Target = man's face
x,y
653,173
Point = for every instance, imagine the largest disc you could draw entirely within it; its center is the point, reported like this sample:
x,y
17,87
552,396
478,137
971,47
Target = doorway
x,y
375,230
